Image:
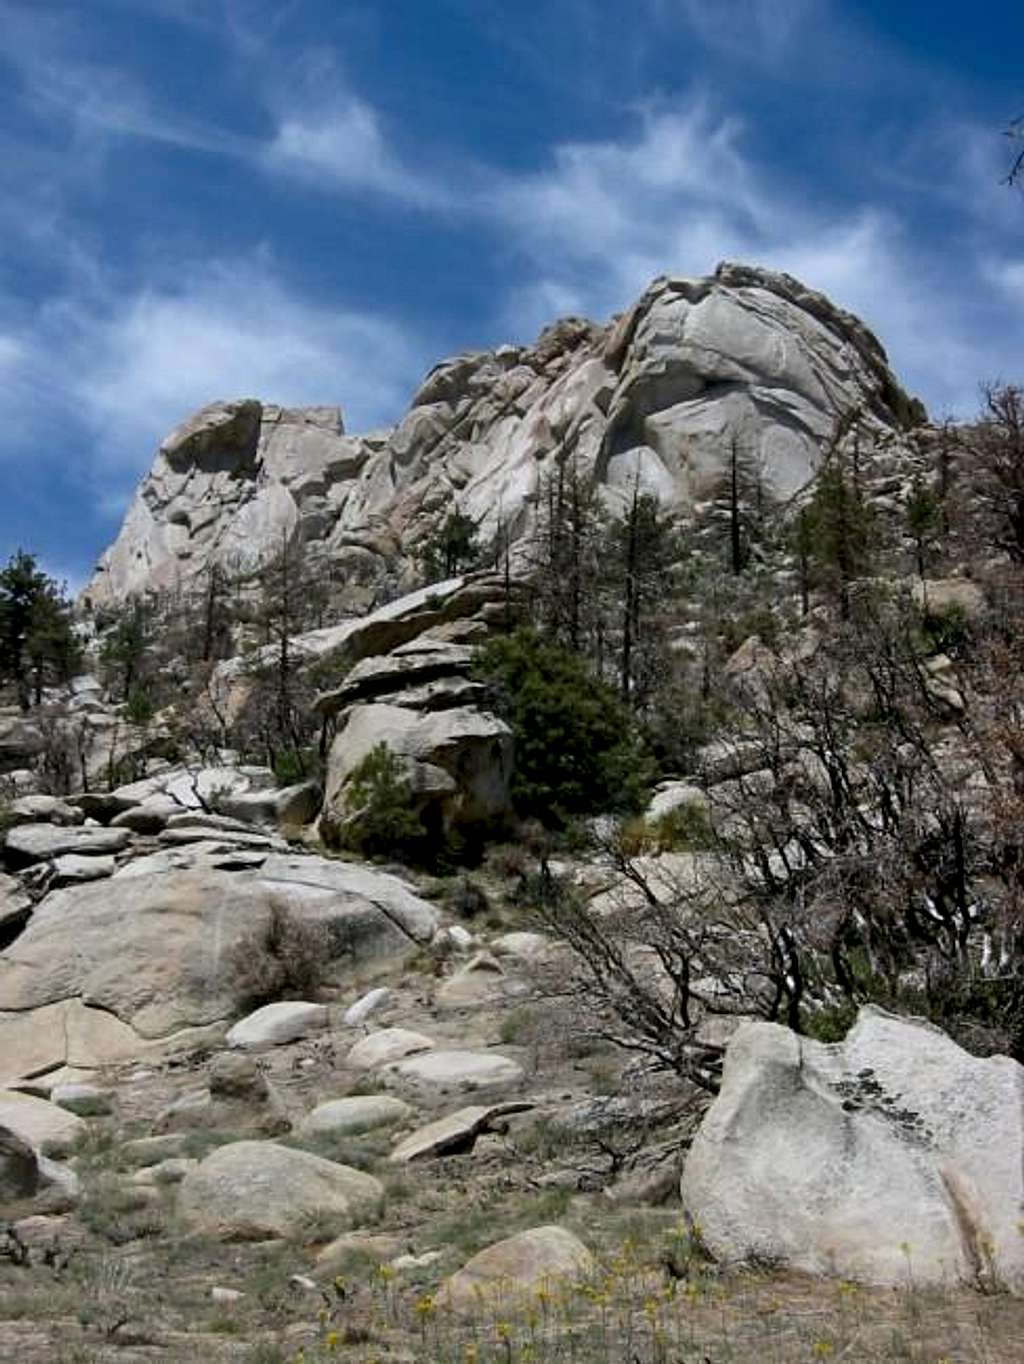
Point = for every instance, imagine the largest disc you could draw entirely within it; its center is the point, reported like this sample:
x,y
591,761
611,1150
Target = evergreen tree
x,y
569,563
924,521
124,654
37,640
578,748
642,552
802,539
841,529
276,718
451,549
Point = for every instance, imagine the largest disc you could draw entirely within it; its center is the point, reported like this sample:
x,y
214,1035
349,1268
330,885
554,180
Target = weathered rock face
x,y
893,1154
67,998
661,393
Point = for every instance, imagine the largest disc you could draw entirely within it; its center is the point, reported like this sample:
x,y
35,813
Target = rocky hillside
x,y
743,356
613,951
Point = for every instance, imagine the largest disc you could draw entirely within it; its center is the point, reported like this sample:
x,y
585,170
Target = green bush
x,y
946,629
141,706
383,821
578,748
295,765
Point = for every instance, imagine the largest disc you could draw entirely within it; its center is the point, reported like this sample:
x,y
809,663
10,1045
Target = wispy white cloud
x,y
681,193
12,352
130,364
329,136
759,31
233,329
341,145
323,133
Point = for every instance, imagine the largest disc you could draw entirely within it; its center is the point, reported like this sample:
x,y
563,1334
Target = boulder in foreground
x,y
891,1156
506,1273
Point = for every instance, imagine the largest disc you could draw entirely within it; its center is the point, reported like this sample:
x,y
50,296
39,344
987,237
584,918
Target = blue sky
x,y
314,200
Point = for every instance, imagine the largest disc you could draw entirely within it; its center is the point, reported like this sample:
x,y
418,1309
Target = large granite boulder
x,y
893,1156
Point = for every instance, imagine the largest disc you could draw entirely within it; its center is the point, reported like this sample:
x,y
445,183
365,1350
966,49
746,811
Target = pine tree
x,y
642,551
842,530
451,548
568,561
924,521
37,639
124,653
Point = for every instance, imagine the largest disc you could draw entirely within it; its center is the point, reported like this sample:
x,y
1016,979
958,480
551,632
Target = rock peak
x,y
659,393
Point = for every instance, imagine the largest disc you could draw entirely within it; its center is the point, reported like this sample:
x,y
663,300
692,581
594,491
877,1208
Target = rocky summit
x,y
745,355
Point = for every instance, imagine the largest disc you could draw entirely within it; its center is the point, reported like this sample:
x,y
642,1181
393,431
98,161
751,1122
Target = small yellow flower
x,y
821,1349
425,1306
502,1330
331,1340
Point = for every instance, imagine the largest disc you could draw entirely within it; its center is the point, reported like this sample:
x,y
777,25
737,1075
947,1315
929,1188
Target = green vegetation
x,y
38,647
382,818
451,549
578,747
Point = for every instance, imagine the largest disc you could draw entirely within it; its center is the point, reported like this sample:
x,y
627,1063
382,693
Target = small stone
x,y
86,1100
277,1024
358,1113
389,1044
441,1070
234,1075
44,809
520,944
258,1191
225,1295
74,870
407,1262
369,1003
516,1267
451,1134
151,1150
170,1171
356,1245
